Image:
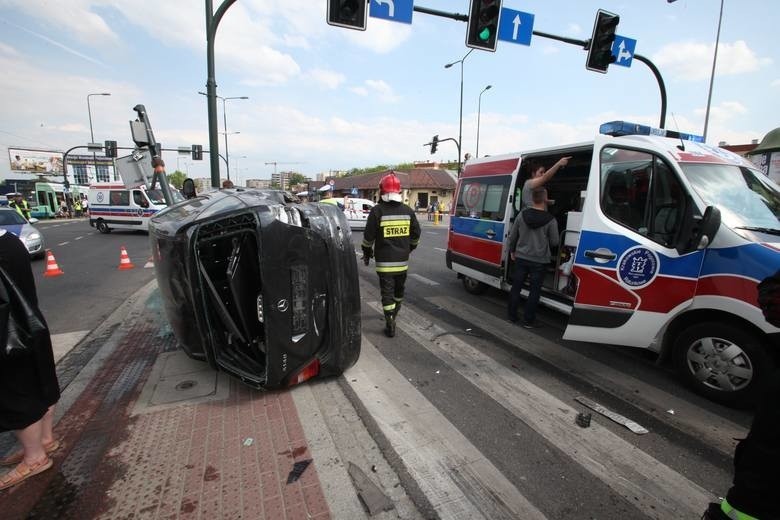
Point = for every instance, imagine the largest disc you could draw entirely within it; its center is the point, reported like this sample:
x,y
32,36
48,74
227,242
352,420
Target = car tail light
x,y
307,372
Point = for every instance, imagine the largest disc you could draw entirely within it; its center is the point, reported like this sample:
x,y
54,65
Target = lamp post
x,y
91,134
712,74
237,170
224,121
479,113
460,124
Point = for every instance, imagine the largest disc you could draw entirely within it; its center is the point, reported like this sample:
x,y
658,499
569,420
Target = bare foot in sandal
x,y
24,471
16,458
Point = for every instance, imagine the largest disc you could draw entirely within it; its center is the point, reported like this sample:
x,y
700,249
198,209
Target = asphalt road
x,y
92,286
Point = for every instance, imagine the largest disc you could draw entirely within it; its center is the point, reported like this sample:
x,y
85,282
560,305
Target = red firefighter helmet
x,y
390,188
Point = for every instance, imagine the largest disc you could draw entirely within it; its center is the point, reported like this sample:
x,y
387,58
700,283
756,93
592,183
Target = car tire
x,y
473,286
724,363
102,227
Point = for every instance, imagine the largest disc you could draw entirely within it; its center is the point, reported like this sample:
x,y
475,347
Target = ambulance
x,y
663,240
114,206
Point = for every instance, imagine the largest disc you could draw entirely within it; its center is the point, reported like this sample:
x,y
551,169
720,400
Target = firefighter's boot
x,y
390,325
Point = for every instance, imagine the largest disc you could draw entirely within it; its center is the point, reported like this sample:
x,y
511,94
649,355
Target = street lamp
x,y
479,113
460,124
238,170
712,74
224,121
91,134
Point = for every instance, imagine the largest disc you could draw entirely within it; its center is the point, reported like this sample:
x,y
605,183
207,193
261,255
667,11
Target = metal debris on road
x,y
368,492
583,420
248,441
670,411
628,423
298,469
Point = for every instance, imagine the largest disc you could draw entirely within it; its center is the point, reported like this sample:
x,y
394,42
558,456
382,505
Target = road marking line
x,y
440,249
426,281
64,343
78,238
719,432
654,488
63,243
454,475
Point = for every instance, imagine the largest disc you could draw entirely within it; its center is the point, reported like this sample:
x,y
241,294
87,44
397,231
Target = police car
x,y
13,222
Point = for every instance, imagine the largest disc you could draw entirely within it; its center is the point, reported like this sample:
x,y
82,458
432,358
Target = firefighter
x,y
21,206
392,232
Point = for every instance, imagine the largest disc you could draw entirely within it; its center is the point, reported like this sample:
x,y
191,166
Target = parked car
x,y
13,222
356,210
259,286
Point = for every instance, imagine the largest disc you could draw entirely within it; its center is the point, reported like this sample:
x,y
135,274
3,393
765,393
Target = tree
x,y
296,178
176,179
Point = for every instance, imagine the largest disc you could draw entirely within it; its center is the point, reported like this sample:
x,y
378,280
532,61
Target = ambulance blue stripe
x,y
685,267
477,228
750,260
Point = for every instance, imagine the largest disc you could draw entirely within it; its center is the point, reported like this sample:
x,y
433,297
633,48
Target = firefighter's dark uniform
x,y
392,232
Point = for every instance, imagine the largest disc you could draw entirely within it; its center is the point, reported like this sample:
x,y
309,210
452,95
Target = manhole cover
x,y
186,385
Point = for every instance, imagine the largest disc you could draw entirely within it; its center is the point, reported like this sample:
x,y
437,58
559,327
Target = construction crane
x,y
275,163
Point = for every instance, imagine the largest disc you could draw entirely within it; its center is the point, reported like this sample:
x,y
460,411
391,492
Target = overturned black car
x,y
259,286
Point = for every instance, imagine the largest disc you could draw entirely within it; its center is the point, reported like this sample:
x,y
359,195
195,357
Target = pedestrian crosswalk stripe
x,y
655,489
718,433
454,475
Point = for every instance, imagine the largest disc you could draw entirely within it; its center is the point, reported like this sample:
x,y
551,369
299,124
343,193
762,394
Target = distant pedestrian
x,y
430,212
392,233
77,207
533,232
85,206
227,184
28,380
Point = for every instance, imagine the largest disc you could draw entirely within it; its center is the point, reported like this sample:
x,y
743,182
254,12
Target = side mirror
x,y
188,189
709,225
33,220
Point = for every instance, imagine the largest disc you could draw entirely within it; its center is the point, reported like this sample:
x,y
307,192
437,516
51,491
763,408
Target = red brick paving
x,y
192,461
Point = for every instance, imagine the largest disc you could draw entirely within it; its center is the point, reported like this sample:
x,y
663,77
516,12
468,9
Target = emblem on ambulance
x,y
100,196
637,267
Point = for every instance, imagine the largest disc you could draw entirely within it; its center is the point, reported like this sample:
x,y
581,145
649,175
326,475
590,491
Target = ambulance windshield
x,y
747,199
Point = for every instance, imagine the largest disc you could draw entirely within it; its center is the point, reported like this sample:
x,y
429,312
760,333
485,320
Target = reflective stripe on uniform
x,y
734,514
388,307
367,244
391,267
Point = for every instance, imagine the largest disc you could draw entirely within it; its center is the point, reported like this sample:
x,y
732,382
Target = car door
x,y
631,279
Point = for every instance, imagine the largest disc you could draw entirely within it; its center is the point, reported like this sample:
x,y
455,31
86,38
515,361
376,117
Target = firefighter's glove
x,y
367,254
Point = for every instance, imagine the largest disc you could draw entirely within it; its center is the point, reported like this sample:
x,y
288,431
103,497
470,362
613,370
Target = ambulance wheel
x,y
102,227
722,362
474,286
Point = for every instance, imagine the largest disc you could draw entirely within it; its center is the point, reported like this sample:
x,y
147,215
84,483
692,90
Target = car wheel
x,y
102,227
473,286
722,362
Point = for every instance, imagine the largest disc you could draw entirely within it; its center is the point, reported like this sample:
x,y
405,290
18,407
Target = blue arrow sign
x,y
393,10
515,26
623,50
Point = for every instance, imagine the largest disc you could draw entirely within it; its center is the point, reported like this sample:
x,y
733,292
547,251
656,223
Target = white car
x,y
356,210
14,223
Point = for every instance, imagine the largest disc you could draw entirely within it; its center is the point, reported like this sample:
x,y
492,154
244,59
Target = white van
x,y
114,206
356,210
663,242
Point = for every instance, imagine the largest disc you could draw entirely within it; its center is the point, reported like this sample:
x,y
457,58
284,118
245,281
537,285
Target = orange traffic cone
x,y
52,269
124,260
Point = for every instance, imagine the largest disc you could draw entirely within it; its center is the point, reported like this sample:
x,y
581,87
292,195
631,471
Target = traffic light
x,y
434,144
482,32
600,50
110,149
197,152
348,13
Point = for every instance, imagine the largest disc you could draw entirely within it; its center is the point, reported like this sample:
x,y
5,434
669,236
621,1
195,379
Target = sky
x,y
324,98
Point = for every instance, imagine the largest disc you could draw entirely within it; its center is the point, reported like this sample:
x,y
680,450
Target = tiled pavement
x,y
234,458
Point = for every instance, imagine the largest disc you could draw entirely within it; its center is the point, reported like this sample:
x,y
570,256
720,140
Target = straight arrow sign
x,y
515,26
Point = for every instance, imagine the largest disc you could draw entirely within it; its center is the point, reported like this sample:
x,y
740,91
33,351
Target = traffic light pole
x,y
212,22
585,44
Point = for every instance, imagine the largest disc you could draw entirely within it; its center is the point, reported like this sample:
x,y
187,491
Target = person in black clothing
x,y
757,457
392,233
28,381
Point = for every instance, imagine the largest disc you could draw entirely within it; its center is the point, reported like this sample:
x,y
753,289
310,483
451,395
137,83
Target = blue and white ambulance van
x,y
114,206
663,242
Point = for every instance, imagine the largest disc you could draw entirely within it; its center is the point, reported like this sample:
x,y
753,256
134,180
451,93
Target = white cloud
x,y
575,29
327,78
775,83
692,61
383,90
8,50
550,49
360,91
380,35
75,16
724,111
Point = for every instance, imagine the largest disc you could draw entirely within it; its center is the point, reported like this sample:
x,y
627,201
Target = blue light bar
x,y
621,128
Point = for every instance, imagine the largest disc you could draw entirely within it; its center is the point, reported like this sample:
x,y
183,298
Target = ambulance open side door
x,y
635,264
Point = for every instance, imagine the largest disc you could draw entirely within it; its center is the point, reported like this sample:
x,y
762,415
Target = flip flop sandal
x,y
17,457
24,471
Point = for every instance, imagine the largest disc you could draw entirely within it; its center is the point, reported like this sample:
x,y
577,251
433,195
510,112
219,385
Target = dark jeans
x,y
392,288
535,270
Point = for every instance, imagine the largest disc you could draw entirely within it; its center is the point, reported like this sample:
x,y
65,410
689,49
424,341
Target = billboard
x,y
43,162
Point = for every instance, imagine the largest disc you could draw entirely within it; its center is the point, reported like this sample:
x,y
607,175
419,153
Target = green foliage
x,y
176,179
296,178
